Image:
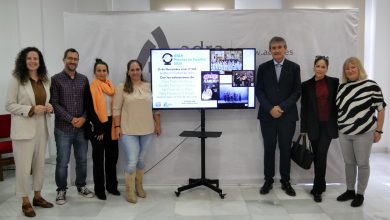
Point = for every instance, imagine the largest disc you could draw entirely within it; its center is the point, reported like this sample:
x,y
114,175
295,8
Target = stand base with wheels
x,y
210,183
202,182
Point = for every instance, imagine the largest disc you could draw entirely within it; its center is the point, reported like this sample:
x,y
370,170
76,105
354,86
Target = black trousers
x,y
105,157
320,149
280,132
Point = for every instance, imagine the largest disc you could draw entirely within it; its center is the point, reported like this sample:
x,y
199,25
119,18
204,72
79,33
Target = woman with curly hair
x,y
28,102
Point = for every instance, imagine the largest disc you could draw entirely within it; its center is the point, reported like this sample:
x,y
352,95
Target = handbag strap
x,y
299,138
306,143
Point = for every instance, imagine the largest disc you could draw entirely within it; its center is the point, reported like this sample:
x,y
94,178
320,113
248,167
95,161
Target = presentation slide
x,y
202,78
176,77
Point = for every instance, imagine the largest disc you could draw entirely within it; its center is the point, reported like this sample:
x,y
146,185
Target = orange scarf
x,y
98,89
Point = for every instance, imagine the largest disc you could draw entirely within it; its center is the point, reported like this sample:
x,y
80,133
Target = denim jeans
x,y
135,148
64,142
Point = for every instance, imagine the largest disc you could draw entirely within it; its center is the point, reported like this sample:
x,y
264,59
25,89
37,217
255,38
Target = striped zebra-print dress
x,y
356,105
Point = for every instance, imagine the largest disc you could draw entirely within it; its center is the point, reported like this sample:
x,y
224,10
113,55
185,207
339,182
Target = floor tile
x,y
242,202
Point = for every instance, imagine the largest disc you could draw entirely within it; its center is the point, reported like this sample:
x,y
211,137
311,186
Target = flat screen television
x,y
203,78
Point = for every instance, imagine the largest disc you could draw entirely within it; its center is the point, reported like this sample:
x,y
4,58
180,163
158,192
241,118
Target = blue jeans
x,y
64,142
135,148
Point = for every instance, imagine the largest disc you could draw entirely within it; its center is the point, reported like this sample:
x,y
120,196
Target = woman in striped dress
x,y
361,115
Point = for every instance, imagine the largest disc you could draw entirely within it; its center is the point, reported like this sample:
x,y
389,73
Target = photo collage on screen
x,y
228,80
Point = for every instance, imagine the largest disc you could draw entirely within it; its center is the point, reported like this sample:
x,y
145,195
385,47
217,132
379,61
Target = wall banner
x,y
237,156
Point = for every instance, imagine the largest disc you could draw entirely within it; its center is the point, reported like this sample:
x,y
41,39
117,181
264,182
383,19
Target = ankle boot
x,y
357,201
349,194
130,186
138,183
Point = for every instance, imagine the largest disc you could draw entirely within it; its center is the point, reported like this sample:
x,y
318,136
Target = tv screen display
x,y
203,78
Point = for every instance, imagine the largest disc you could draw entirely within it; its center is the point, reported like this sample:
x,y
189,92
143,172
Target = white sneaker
x,y
61,197
84,191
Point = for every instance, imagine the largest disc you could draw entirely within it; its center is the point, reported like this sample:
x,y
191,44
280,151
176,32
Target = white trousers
x,y
30,159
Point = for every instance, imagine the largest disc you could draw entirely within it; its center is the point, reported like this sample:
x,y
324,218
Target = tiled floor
x,y
241,202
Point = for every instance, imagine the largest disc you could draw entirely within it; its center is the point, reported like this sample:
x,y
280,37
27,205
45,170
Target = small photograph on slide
x,y
210,85
232,95
243,78
226,60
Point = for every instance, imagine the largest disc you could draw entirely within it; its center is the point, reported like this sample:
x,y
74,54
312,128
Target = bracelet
x,y
118,126
380,132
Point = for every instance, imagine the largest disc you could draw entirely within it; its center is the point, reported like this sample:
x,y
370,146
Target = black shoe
x,y
347,195
114,192
357,201
101,196
288,189
266,187
317,197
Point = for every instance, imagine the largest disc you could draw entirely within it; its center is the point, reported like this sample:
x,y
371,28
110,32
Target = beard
x,y
71,67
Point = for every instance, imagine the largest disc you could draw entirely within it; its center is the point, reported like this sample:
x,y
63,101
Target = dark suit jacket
x,y
309,113
284,93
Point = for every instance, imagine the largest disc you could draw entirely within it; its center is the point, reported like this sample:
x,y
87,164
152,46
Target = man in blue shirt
x,y
67,97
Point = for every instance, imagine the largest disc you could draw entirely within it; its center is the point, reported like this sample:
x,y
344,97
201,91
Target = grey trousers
x,y
356,151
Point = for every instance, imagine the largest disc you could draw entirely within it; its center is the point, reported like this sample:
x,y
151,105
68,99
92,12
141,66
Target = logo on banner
x,y
161,40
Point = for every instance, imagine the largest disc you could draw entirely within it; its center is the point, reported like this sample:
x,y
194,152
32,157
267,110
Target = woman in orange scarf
x,y
105,146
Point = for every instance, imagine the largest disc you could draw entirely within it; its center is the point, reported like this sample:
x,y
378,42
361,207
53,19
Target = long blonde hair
x,y
356,62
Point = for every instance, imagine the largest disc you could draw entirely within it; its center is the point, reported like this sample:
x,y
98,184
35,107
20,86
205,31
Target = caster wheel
x,y
177,194
222,196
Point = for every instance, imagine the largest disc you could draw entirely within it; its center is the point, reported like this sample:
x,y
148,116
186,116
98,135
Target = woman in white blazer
x,y
28,102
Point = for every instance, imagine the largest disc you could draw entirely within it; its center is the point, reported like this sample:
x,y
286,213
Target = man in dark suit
x,y
278,89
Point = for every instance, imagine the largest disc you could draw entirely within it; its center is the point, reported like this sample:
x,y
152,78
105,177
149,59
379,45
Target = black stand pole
x,y
202,181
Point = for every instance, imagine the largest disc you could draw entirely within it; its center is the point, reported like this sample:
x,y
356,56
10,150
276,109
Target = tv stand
x,y
203,181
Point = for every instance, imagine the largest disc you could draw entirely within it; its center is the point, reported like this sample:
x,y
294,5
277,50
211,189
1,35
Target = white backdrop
x,y
237,156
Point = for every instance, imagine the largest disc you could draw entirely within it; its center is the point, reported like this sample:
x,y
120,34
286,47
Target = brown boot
x,y
138,183
130,186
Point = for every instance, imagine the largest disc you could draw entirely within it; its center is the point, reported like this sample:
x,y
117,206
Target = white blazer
x,y
20,99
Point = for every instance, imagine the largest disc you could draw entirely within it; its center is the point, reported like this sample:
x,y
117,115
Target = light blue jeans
x,y
135,148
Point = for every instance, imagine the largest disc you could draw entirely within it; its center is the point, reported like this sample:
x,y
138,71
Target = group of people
x,y
352,111
98,111
122,116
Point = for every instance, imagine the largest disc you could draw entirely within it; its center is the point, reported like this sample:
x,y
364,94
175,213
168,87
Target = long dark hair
x,y
21,71
128,87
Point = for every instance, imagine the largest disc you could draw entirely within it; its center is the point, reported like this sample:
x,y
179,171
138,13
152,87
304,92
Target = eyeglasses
x,y
322,57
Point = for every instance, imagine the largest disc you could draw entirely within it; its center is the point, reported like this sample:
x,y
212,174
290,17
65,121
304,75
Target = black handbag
x,y
302,154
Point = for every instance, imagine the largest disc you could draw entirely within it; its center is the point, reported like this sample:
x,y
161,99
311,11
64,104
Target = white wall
x,y
40,23
381,66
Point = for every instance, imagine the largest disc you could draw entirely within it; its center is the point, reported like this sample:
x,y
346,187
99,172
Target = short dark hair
x,y
277,39
70,50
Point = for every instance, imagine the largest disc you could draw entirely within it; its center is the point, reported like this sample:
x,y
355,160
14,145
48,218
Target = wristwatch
x,y
380,132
